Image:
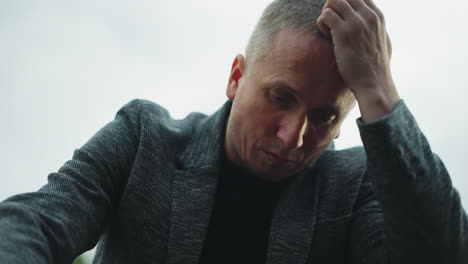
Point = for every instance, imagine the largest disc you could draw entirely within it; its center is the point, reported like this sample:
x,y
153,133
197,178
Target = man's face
x,y
287,109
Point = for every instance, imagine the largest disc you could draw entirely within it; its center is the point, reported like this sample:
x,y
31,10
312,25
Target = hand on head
x,y
363,52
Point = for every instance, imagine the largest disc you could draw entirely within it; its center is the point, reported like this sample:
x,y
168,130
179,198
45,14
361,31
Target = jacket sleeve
x,y
67,216
407,210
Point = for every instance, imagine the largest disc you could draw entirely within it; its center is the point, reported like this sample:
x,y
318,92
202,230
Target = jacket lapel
x,y
194,187
293,222
193,194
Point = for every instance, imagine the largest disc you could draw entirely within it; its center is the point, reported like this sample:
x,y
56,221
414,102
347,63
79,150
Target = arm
x,y
418,217
67,216
416,214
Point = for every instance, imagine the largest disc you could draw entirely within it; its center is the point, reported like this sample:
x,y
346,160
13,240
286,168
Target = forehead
x,y
297,48
304,62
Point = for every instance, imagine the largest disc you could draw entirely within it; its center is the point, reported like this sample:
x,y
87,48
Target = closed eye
x,y
280,98
282,101
322,118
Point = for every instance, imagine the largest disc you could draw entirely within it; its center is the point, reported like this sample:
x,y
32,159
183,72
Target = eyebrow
x,y
286,87
281,85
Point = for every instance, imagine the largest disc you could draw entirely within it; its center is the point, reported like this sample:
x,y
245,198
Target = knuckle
x,y
381,15
328,14
325,12
372,18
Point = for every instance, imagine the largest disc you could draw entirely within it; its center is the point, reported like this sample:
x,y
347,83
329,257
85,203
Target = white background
x,y
66,67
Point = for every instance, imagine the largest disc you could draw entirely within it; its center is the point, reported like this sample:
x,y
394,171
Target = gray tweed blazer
x,y
145,184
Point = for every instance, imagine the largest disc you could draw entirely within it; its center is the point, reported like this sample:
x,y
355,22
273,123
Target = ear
x,y
235,76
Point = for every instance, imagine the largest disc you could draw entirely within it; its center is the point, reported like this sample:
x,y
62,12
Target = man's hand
x,y
363,51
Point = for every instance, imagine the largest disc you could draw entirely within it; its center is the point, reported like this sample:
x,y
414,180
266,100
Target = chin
x,y
274,174
273,178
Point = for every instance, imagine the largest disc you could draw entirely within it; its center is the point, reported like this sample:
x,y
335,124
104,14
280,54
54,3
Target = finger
x,y
324,29
357,5
342,8
389,45
364,11
329,21
374,8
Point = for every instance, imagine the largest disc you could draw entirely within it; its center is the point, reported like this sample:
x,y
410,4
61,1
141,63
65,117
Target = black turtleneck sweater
x,y
240,222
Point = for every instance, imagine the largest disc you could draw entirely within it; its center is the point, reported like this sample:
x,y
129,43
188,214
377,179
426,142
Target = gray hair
x,y
280,15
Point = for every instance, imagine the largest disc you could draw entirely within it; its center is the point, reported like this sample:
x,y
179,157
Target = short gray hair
x,y
280,15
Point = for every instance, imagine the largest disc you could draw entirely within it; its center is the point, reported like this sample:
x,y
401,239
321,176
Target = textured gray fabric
x,y
144,186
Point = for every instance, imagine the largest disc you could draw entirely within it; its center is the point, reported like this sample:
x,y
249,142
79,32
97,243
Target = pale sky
x,y
68,66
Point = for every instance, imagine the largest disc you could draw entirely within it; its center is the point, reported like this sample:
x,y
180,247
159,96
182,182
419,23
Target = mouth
x,y
279,160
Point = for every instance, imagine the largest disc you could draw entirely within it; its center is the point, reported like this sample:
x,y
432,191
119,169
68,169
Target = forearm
x,y
61,220
67,216
34,228
423,216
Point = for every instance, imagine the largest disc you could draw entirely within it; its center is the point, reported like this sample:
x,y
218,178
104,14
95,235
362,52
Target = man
x,y
258,181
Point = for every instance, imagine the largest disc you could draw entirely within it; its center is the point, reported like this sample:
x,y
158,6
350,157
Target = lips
x,y
278,159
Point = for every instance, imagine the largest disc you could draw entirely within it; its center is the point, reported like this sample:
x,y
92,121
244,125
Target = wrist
x,y
376,102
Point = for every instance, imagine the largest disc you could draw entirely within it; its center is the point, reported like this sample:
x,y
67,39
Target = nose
x,y
291,131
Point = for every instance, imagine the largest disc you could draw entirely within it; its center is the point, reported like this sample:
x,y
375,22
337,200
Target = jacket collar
x,y
206,144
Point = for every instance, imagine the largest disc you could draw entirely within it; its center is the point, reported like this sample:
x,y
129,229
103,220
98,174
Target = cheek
x,y
262,130
250,129
266,124
320,139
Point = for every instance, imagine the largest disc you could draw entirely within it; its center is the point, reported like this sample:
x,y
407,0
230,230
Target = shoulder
x,y
342,171
156,129
346,161
152,115
142,108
